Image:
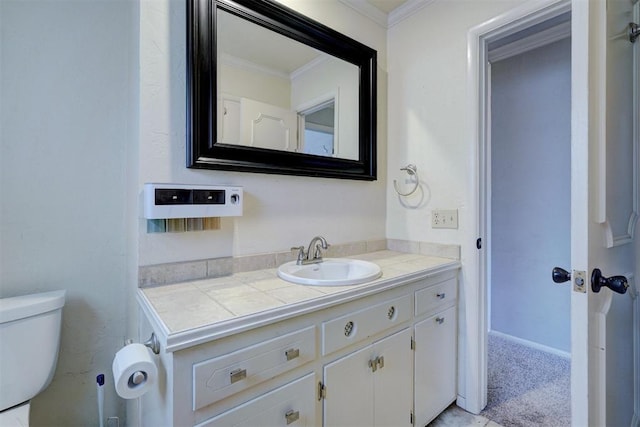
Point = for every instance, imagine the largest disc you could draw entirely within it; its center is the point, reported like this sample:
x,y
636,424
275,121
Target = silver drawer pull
x,y
441,295
292,416
380,361
391,312
373,364
348,329
292,353
440,320
237,375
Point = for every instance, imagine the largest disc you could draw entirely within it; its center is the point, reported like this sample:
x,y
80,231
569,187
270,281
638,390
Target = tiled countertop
x,y
191,312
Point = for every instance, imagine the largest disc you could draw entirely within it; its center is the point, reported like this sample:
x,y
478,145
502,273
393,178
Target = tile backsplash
x,y
162,274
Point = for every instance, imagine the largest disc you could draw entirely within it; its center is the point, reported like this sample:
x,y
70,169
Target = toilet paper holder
x,y
152,343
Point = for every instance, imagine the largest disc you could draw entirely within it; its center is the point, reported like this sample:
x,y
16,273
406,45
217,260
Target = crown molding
x,y
386,20
406,10
244,64
367,9
308,66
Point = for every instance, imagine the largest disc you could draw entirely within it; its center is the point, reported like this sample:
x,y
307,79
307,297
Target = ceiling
x,y
387,5
387,12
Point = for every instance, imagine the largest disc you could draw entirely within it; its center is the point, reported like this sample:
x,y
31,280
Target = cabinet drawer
x,y
223,376
353,327
439,295
290,405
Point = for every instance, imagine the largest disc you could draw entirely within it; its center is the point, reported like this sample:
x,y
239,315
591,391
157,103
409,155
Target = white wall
x,y
70,131
429,126
279,211
256,85
531,195
65,217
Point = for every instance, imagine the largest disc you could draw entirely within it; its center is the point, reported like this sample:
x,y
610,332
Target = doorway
x,y
592,376
529,220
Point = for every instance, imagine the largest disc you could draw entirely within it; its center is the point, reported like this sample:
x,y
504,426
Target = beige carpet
x,y
527,387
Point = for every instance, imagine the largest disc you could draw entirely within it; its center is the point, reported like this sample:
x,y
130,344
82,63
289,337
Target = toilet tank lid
x,y
20,307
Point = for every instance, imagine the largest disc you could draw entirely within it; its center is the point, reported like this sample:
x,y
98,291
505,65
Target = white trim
x,y
334,97
367,9
634,291
636,368
392,18
406,10
243,64
531,344
534,41
598,355
636,135
583,101
475,317
308,66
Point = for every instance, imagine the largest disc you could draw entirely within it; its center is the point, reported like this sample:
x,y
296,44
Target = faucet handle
x,y
317,254
301,253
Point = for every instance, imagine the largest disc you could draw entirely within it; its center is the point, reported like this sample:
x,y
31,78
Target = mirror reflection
x,y
279,94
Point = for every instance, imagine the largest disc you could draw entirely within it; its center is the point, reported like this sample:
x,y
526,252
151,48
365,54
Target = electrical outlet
x,y
444,218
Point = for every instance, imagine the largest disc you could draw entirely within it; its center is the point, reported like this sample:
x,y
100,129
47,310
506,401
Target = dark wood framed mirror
x,y
272,91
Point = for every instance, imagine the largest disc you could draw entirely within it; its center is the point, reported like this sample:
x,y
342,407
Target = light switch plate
x,y
444,218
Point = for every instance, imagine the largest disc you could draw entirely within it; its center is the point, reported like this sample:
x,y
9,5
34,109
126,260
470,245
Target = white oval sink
x,y
330,272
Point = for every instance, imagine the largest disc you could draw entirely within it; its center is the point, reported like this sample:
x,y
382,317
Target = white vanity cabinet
x,y
371,386
379,355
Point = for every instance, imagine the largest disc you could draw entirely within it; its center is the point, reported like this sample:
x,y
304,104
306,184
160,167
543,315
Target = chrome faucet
x,y
316,246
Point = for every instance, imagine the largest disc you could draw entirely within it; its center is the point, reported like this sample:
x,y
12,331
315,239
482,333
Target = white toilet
x,y
30,338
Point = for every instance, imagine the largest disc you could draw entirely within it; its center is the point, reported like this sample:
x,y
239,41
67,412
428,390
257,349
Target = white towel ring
x,y
412,170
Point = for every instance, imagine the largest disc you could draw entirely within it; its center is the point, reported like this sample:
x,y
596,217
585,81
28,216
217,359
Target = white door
x,y
603,204
264,125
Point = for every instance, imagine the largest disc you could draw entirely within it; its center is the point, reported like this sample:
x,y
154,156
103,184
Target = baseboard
x,y
531,344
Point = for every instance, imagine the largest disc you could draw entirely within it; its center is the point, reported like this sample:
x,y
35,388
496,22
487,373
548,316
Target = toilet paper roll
x,y
134,371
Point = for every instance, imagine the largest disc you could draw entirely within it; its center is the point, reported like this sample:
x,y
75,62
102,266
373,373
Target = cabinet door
x,y
349,390
435,365
393,380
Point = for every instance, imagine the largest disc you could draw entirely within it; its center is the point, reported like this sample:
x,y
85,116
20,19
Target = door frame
x,y
476,310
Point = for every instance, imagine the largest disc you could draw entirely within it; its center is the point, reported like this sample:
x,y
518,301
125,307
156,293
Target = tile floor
x,y
456,417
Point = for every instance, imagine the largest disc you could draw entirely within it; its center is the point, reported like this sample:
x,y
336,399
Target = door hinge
x,y
411,417
413,344
322,391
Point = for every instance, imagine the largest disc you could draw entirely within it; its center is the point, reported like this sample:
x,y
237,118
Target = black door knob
x,y
560,275
615,283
